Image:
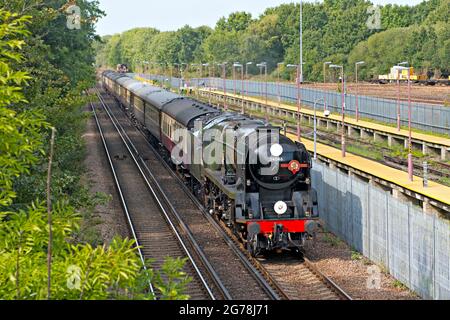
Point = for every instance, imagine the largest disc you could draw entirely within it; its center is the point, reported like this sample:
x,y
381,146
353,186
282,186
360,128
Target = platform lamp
x,y
206,65
335,66
324,82
234,77
399,123
410,162
297,67
356,94
146,69
315,127
263,65
224,71
239,65
246,75
201,65
279,84
181,71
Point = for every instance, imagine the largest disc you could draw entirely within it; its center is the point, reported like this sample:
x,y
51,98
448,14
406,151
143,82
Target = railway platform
x,y
435,198
427,144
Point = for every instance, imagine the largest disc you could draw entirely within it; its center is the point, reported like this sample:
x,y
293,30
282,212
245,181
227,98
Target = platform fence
x,y
427,117
412,245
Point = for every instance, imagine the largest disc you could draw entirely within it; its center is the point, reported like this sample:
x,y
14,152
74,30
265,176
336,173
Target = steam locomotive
x,y
243,170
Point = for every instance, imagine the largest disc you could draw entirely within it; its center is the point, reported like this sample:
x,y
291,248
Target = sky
x,y
168,15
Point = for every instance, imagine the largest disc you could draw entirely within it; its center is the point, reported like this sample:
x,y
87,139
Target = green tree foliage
x,y
80,271
19,132
333,30
236,21
53,98
425,45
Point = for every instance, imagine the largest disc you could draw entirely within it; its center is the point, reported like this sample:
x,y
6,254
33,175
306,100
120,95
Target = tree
x,y
332,29
80,270
236,21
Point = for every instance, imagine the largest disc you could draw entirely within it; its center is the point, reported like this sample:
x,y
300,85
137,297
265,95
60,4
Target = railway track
x,y
310,283
149,223
236,281
204,227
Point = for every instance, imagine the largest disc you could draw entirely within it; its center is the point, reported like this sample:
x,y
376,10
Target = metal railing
x,y
428,117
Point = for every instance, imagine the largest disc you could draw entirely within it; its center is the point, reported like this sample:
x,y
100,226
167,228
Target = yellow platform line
x,y
361,123
434,190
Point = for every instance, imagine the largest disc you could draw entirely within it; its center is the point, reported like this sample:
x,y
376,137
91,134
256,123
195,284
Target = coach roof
x,y
161,98
187,110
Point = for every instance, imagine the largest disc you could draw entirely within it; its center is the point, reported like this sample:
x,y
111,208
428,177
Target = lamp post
x,y
325,71
181,71
343,107
206,65
315,127
324,82
260,79
238,65
234,76
171,75
145,67
297,67
261,66
278,77
301,43
410,162
214,80
163,70
177,65
398,94
246,75
224,70
198,76
357,89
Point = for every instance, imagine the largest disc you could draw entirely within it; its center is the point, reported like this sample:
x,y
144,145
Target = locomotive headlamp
x,y
280,207
276,150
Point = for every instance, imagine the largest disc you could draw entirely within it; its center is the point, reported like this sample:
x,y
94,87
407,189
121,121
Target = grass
x,y
365,152
355,255
331,240
399,285
444,180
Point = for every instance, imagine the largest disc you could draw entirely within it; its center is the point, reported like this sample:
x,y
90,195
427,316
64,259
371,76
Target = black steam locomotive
x,y
243,170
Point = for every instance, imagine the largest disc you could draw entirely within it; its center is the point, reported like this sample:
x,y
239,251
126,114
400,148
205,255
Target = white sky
x,y
167,15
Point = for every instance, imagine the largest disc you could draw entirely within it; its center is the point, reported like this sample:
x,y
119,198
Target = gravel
x,y
110,216
350,270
